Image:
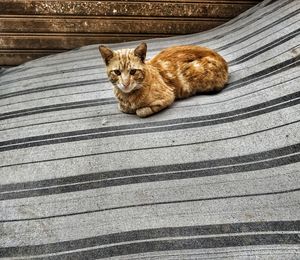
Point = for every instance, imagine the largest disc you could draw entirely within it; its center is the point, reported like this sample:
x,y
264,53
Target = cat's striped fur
x,y
146,87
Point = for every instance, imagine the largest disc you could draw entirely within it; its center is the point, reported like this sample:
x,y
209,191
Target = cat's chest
x,y
130,105
131,102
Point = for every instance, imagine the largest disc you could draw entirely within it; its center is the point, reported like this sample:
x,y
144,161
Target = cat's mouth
x,y
128,89
125,89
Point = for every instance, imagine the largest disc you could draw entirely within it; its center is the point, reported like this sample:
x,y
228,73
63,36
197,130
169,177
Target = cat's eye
x,y
132,71
117,72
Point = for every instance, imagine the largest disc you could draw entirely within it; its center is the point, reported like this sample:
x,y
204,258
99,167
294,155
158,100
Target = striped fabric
x,y
212,177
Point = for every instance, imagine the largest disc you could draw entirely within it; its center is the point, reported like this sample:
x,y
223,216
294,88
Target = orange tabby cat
x,y
146,87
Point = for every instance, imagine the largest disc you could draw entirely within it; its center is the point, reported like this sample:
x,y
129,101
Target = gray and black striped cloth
x,y
212,177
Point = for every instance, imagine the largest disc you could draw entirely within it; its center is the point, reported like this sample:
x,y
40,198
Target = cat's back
x,y
191,69
185,53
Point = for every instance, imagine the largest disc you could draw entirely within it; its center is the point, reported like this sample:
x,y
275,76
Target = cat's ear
x,y
106,53
140,51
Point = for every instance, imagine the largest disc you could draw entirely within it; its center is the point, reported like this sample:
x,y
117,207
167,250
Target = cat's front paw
x,y
144,111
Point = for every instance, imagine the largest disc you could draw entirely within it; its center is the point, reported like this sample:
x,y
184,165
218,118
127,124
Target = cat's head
x,y
126,67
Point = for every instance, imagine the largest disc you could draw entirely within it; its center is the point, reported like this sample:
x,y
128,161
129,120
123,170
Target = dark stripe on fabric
x,y
57,107
181,244
264,160
45,74
270,71
59,121
265,48
147,234
52,87
288,51
152,204
272,2
19,68
147,148
161,126
66,94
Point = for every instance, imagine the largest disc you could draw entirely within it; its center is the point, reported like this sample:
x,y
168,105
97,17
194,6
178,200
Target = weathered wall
x,y
34,28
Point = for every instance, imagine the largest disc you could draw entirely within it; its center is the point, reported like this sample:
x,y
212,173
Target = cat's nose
x,y
126,84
